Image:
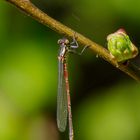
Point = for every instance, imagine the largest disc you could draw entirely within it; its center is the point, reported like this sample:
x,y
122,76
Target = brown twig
x,y
30,9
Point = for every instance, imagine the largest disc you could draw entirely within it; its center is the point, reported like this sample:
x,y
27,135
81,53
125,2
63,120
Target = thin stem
x,y
30,9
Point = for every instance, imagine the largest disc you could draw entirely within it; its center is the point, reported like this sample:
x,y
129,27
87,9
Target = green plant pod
x,y
120,46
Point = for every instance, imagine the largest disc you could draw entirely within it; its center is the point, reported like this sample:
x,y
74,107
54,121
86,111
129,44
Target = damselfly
x,y
63,97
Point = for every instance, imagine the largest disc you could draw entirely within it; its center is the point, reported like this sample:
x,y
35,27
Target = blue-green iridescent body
x,y
120,46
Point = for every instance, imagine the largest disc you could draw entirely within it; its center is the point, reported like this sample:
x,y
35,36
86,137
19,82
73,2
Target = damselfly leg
x,y
74,45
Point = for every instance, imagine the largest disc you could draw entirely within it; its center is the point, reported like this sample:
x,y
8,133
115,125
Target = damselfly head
x,y
63,41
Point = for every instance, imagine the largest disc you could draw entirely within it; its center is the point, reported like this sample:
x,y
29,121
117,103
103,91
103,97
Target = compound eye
x,y
66,41
59,41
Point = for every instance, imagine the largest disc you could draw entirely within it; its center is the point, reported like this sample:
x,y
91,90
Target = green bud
x,y
120,46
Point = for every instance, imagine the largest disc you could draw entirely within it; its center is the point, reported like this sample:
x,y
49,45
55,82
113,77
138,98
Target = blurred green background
x,y
105,101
